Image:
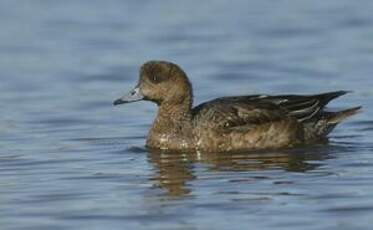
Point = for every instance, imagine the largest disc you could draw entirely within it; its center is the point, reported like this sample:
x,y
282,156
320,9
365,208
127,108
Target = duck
x,y
233,123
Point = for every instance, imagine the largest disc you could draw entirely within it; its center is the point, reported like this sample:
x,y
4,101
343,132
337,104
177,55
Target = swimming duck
x,y
229,123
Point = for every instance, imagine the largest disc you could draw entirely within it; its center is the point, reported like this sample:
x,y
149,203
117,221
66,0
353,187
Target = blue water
x,y
70,160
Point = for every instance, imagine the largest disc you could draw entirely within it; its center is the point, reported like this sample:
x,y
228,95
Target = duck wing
x,y
227,113
303,107
248,112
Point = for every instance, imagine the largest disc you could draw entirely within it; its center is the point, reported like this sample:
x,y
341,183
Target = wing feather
x,y
302,107
242,110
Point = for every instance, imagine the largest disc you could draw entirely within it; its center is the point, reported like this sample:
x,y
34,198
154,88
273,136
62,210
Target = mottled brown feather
x,y
231,123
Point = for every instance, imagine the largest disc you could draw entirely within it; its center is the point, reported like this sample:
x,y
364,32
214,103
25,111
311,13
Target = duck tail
x,y
333,118
327,122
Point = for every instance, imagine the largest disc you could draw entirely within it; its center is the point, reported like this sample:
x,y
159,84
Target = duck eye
x,y
157,78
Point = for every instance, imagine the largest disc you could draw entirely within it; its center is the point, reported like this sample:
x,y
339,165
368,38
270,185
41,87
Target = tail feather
x,y
327,122
337,117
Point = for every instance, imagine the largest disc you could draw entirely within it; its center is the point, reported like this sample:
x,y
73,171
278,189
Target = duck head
x,y
160,82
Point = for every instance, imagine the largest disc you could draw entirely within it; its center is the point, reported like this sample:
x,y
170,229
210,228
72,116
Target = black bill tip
x,y
118,102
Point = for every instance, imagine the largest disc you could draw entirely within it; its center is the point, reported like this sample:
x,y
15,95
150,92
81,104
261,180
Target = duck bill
x,y
132,96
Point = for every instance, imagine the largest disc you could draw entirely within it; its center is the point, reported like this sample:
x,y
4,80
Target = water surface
x,y
70,160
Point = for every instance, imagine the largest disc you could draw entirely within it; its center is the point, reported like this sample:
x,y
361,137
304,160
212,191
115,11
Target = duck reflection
x,y
174,169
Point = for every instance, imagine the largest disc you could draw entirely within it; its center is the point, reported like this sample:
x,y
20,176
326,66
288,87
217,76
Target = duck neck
x,y
175,115
174,118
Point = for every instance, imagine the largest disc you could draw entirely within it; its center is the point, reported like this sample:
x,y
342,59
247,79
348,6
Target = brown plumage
x,y
229,123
